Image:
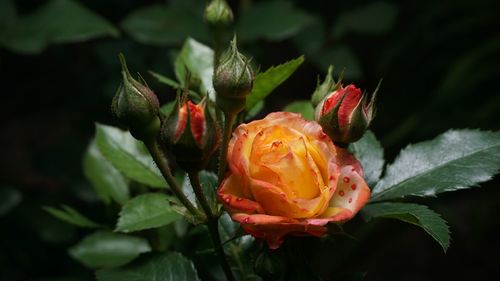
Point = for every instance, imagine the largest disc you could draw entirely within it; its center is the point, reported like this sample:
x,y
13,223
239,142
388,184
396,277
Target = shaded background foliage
x,y
59,71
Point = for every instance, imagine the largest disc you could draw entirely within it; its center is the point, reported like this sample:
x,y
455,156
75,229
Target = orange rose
x,y
288,178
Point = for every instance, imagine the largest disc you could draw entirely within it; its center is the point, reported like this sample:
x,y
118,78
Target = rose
x,y
345,114
287,178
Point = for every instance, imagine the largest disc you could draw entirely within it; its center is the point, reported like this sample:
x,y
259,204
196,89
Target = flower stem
x,y
162,164
212,223
228,129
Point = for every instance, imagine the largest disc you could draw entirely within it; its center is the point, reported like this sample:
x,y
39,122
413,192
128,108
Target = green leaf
x,y
208,181
418,215
71,216
9,199
165,80
8,13
303,107
199,60
161,267
163,25
267,81
259,21
255,110
31,33
128,155
371,155
150,210
457,159
372,18
105,249
107,181
343,58
167,108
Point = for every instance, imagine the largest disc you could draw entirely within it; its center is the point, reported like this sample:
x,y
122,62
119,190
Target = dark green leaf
x,y
375,17
418,215
199,60
208,181
161,267
71,216
267,81
259,21
107,249
128,155
371,155
31,33
167,108
343,58
150,210
304,107
8,13
163,25
457,159
166,80
255,110
107,181
9,198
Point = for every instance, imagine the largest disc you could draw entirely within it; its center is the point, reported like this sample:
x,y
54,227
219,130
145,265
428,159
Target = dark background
x,y
440,61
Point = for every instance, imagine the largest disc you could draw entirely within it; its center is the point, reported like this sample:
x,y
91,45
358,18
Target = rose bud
x,y
232,80
286,177
191,134
218,14
346,114
322,90
136,106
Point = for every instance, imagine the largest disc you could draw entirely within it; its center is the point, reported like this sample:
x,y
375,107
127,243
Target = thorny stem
x,y
212,223
162,164
228,128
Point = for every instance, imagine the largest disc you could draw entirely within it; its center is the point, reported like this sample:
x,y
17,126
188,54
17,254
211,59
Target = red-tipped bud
x,y
191,134
346,114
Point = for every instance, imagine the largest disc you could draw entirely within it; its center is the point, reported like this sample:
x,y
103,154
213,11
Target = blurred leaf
x,y
199,60
104,249
167,108
418,215
165,80
107,181
71,216
371,155
343,58
267,81
150,210
372,18
9,198
310,39
58,21
8,13
455,160
303,107
128,155
260,21
208,181
255,110
163,25
161,267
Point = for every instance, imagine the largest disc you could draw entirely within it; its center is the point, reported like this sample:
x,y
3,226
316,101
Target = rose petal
x,y
231,196
274,228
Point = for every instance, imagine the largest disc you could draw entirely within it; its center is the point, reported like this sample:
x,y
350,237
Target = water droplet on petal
x,y
239,199
227,200
341,193
346,179
350,200
353,187
246,220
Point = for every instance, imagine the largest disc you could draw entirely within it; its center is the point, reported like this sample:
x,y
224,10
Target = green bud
x,y
233,79
218,14
136,106
327,87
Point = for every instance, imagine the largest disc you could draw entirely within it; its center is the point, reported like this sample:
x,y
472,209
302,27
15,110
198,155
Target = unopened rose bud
x,y
191,134
218,14
136,106
346,114
233,79
322,90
